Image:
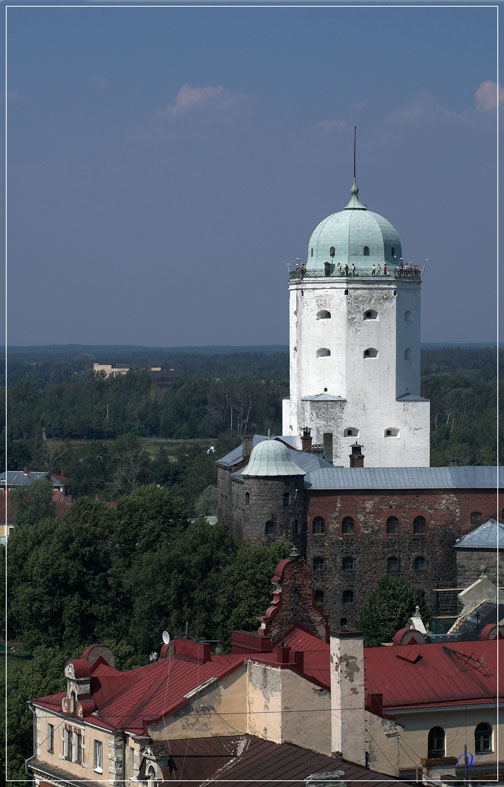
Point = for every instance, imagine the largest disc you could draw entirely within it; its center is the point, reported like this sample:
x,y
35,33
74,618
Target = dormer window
x,y
311,252
323,314
371,314
366,251
392,251
332,251
371,352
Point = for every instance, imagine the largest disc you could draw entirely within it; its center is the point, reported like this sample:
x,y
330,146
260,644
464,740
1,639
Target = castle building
x,y
354,312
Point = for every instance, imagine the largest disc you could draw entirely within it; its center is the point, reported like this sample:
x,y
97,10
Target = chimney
x,y
25,470
306,439
356,457
347,695
247,445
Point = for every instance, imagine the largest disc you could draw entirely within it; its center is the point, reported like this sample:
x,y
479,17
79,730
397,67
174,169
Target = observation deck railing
x,y
332,272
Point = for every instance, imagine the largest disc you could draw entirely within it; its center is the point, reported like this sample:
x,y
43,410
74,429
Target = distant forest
x,y
58,409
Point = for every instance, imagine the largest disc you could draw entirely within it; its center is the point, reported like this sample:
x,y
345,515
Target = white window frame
x,y
98,756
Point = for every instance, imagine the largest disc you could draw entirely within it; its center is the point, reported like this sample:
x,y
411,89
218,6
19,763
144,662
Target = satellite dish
x,y
165,637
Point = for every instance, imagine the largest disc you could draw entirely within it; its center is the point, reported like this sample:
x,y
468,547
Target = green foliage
x,y
207,502
388,609
33,503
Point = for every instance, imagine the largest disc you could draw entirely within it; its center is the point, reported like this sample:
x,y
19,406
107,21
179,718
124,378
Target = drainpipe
x,y
34,735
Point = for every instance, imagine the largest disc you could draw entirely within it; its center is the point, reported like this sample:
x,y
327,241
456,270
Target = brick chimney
x,y
247,445
356,457
347,695
306,439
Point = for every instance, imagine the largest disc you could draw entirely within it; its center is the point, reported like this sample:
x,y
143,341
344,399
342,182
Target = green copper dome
x,y
356,236
271,458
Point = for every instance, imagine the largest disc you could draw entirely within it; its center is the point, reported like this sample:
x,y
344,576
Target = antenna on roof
x,y
165,637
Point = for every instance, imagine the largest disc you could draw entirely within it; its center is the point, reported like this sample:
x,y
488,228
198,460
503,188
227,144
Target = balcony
x,y
332,272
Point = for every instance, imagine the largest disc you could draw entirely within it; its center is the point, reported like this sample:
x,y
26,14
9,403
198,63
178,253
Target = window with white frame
x,y
98,756
68,740
50,738
78,747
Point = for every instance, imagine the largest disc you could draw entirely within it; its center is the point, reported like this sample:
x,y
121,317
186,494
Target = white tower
x,y
354,317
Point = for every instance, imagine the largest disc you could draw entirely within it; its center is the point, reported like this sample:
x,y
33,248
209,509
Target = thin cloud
x,y
189,98
487,96
423,105
100,83
331,126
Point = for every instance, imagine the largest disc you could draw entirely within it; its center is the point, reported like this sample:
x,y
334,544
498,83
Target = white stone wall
x,y
368,386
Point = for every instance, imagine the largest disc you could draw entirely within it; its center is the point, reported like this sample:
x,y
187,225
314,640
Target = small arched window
x,y
347,597
371,314
348,563
476,517
73,701
247,498
392,563
366,251
419,563
319,596
323,314
269,528
347,526
318,525
286,498
407,354
151,777
351,431
483,738
323,352
436,743
370,352
419,524
318,563
407,316
392,431
392,525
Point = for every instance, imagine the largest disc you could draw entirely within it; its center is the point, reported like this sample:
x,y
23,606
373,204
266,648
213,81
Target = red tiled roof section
x,y
62,505
434,674
259,763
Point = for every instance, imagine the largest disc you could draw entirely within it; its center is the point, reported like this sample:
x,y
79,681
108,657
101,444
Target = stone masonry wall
x,y
471,563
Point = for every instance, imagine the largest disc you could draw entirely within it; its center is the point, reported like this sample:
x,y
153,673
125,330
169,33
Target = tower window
x,y
247,498
392,563
318,525
347,597
419,525
407,354
319,596
343,622
323,314
392,251
348,563
352,431
407,316
391,432
370,314
436,743
392,525
476,517
332,251
347,526
323,352
483,738
371,352
366,251
419,563
318,563
269,528
311,252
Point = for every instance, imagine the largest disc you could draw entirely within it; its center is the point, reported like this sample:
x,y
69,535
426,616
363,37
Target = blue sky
x,y
165,164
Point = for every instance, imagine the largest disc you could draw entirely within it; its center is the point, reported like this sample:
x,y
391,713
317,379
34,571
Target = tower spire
x,y
354,190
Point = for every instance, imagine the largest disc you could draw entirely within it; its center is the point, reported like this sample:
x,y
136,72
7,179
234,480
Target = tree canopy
x,y
388,608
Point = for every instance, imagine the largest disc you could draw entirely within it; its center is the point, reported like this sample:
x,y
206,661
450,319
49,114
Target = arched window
x,y
247,498
348,563
269,528
483,738
318,525
407,316
351,431
419,563
436,743
151,777
73,701
371,314
392,525
323,314
347,526
475,517
347,597
286,498
318,563
366,251
319,596
323,352
370,352
391,431
407,354
419,525
392,563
